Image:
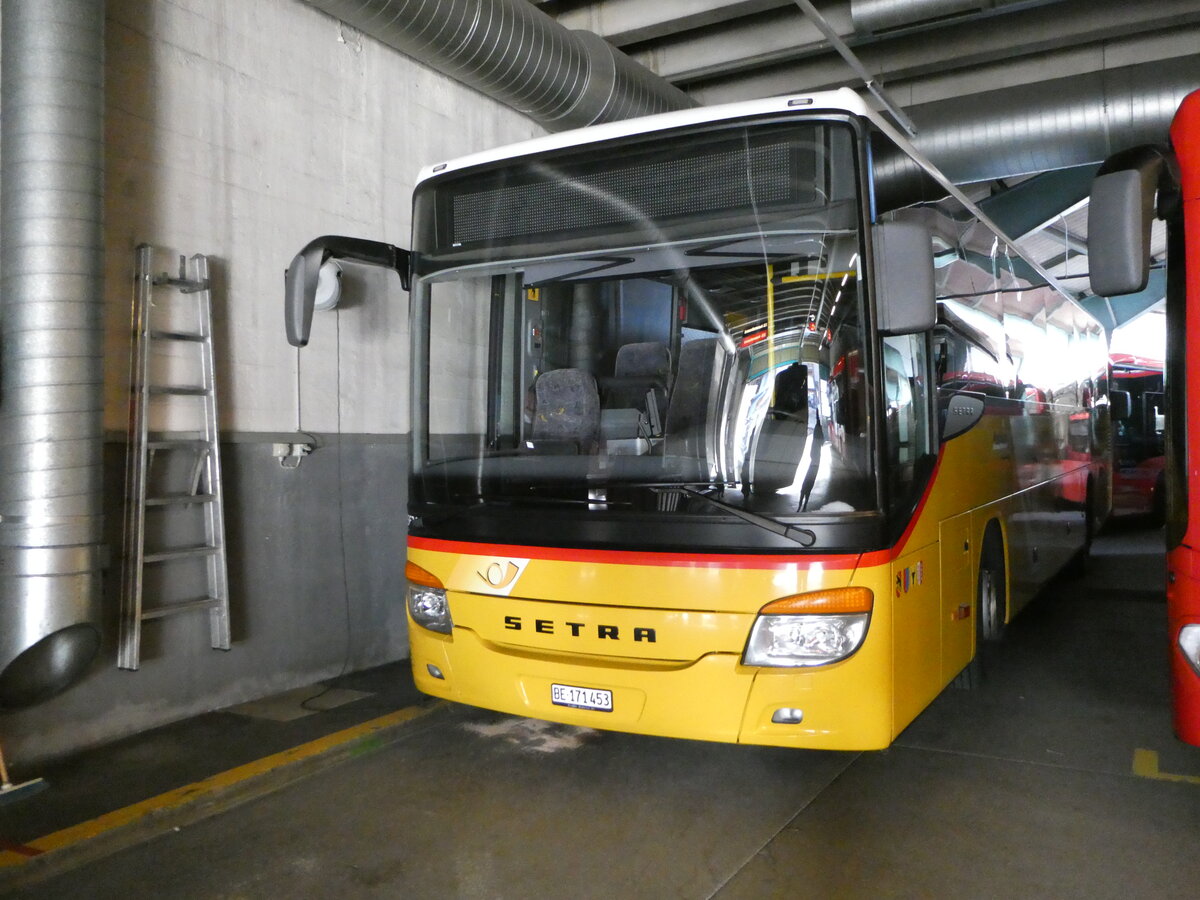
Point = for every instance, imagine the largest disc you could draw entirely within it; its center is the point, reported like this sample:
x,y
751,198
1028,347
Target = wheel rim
x,y
988,603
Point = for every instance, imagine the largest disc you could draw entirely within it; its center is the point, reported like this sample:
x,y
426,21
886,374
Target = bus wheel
x,y
1079,562
990,596
992,588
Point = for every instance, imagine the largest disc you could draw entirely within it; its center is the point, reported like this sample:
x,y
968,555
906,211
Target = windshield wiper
x,y
803,536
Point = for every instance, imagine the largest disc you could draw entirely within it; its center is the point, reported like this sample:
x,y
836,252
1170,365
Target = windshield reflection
x,y
732,365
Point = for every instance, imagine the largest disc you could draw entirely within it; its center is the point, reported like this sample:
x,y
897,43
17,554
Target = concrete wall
x,y
241,129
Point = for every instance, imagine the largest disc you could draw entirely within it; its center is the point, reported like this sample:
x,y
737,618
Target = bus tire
x,y
990,596
991,590
1079,562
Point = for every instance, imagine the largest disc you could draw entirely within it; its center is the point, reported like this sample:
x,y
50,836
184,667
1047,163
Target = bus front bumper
x,y
842,706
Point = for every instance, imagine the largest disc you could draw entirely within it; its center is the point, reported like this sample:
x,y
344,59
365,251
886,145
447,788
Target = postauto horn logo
x,y
499,576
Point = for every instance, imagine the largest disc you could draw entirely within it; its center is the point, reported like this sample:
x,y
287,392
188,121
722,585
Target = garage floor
x,y
1058,777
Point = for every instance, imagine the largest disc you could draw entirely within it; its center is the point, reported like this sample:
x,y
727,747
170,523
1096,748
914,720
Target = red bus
x,y
1132,188
1138,478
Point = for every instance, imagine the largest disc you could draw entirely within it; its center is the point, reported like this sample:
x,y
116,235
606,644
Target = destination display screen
x,y
735,175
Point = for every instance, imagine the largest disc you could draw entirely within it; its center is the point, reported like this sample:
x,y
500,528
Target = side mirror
x,y
904,283
1120,405
962,413
300,279
1121,210
1119,218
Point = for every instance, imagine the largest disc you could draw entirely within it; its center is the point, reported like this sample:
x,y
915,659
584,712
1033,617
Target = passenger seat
x,y
566,411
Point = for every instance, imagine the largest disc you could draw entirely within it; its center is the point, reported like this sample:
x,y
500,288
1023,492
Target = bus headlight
x,y
427,603
810,629
1189,643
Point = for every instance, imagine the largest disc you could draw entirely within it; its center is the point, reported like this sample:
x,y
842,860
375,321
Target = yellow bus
x,y
738,424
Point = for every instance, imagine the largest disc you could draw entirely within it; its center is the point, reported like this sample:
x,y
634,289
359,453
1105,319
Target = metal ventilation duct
x,y
518,55
1047,125
872,16
877,16
51,379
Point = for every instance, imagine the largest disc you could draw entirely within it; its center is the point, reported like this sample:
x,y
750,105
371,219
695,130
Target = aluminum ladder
x,y
173,473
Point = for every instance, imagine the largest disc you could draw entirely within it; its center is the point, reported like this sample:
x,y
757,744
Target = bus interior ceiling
x,y
613,437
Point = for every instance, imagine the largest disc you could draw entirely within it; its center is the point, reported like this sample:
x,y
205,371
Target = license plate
x,y
581,698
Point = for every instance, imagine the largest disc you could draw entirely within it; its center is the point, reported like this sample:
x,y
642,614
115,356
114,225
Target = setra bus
x,y
725,427
1133,188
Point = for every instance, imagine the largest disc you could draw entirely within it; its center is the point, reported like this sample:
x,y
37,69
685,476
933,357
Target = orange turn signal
x,y
833,602
417,575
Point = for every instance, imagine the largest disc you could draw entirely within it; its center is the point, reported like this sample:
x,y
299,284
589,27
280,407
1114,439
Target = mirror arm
x,y
373,253
300,278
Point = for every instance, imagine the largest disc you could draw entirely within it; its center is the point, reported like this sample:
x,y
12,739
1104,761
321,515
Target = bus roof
x,y
841,100
1133,361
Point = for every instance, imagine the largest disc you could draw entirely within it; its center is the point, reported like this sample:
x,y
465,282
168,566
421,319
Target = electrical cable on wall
x,y
341,517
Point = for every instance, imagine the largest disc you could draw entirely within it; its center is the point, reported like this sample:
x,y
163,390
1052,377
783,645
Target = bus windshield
x,y
643,334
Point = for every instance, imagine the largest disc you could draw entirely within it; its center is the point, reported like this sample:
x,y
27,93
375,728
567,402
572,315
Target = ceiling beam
x,y
782,36
776,35
624,22
929,78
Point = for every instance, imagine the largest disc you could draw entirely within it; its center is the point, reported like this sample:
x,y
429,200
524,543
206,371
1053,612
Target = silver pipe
x,y
518,55
871,16
51,317
564,79
874,17
1056,124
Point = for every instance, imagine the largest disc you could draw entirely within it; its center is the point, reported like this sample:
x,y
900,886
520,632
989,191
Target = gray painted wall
x,y
242,130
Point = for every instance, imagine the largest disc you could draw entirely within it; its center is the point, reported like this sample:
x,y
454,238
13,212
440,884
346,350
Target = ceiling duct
x,y
563,79
51,375
875,16
518,55
1046,125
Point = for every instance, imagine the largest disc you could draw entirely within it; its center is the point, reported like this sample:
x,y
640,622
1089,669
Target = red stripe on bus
x,y
637,557
898,548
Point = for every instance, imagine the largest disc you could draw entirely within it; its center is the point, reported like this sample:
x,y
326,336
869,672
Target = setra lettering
x,y
579,629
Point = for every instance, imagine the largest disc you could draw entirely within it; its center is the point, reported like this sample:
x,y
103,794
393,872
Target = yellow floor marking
x,y
1145,765
200,789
